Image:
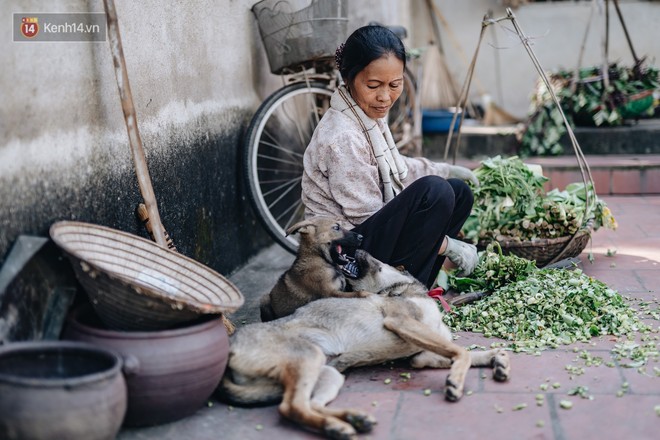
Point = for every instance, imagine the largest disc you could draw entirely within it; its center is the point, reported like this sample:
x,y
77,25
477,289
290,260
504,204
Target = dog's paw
x,y
338,430
362,422
453,391
501,366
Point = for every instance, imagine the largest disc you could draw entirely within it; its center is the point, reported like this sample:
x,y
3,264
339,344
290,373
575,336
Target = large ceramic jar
x,y
175,371
60,390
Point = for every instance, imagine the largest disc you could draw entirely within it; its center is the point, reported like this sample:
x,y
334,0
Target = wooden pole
x,y
130,117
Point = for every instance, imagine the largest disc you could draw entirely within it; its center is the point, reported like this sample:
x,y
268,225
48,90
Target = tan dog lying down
x,y
298,359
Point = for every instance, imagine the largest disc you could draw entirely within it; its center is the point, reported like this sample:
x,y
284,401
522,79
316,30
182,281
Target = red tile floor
x,y
489,410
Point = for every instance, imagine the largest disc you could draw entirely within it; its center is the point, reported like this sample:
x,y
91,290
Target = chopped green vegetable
x,y
427,392
566,404
537,309
520,406
581,391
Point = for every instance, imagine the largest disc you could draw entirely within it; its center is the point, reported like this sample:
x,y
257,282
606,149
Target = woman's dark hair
x,y
366,44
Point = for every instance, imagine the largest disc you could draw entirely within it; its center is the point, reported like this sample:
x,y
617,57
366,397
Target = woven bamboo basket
x,y
135,284
545,251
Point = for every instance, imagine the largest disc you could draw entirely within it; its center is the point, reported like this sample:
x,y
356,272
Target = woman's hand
x,y
463,255
459,172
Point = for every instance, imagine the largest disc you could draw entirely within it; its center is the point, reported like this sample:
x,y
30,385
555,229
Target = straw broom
x,y
438,89
493,114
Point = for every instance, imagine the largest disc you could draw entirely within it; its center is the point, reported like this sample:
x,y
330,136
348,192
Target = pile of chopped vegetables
x,y
511,203
536,309
493,271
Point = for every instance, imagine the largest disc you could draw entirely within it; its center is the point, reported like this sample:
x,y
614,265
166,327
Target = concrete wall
x,y
556,30
197,72
64,150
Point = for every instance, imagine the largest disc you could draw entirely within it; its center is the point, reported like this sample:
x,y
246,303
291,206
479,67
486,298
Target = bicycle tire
x,y
401,118
275,142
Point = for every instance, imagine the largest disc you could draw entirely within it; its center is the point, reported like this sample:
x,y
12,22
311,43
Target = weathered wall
x,y
197,72
556,30
64,150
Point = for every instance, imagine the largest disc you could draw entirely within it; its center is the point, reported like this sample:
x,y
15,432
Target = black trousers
x,y
409,230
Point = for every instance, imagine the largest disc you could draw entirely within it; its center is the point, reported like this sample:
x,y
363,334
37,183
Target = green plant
x,y
586,101
511,202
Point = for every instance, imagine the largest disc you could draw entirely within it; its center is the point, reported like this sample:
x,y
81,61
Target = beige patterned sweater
x,y
340,177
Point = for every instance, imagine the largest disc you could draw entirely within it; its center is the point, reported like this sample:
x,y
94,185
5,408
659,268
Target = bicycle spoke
x,y
290,152
289,187
283,179
298,213
277,159
276,146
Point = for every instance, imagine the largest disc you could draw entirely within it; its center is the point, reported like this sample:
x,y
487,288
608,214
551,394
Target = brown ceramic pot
x,y
60,390
174,371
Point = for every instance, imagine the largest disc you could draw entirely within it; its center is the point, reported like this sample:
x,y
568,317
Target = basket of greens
x,y
512,207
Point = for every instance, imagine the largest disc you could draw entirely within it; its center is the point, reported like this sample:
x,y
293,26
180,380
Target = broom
x,y
493,114
438,89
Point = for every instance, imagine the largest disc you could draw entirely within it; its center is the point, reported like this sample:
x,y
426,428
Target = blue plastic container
x,y
437,121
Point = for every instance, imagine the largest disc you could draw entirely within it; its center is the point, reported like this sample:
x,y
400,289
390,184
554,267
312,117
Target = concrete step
x,y
622,160
642,137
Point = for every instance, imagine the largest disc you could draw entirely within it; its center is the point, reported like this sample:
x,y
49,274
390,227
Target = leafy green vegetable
x,y
586,101
493,271
511,203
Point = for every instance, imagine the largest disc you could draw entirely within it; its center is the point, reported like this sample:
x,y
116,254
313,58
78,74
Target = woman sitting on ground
x,y
409,210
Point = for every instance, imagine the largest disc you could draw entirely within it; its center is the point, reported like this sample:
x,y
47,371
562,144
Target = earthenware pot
x,y
60,390
176,370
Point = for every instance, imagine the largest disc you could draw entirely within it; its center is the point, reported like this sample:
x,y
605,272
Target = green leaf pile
x,y
511,203
545,308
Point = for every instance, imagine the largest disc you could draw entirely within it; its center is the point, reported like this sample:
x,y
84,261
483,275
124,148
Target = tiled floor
x,y
489,410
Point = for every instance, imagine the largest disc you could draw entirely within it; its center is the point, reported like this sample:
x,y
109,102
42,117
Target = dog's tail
x,y
261,393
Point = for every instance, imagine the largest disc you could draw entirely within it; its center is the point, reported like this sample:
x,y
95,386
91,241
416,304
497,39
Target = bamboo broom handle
x,y
141,169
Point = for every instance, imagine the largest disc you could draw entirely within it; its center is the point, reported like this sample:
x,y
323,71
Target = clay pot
x,y
60,390
176,370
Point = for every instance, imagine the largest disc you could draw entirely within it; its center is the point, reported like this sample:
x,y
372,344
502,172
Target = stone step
x,y
612,174
622,160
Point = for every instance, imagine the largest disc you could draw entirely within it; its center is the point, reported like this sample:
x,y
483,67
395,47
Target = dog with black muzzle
x,y
323,262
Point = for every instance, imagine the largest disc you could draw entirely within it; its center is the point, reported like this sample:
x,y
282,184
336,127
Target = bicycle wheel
x,y
401,118
273,152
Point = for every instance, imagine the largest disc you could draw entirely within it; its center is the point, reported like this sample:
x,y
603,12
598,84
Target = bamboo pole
x,y
130,116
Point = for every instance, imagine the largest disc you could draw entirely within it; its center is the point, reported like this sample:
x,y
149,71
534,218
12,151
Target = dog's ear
x,y
301,227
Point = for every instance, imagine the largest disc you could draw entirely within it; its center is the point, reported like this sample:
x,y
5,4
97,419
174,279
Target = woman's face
x,y
378,85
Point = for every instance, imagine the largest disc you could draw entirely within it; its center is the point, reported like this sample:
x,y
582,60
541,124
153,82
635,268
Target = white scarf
x,y
391,166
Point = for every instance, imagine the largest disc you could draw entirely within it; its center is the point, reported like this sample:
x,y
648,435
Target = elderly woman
x,y
409,210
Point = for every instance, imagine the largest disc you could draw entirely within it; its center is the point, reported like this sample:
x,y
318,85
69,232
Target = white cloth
x,y
391,166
